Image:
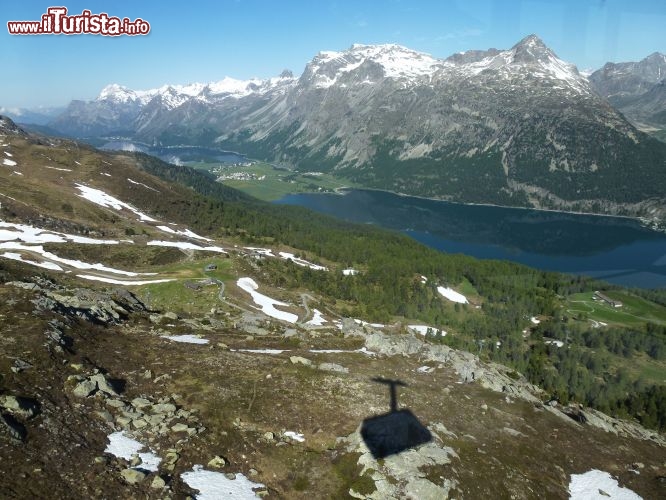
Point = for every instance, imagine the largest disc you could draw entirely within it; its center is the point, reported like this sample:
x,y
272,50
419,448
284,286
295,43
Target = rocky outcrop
x,y
401,475
14,411
468,366
90,305
595,418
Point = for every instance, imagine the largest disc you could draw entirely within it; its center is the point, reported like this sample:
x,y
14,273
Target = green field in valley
x,y
634,311
268,183
174,295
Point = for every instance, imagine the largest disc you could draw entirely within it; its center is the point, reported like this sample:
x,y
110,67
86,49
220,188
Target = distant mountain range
x,y
515,127
638,89
34,116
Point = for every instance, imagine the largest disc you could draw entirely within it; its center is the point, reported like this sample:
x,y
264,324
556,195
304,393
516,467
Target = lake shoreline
x,y
340,191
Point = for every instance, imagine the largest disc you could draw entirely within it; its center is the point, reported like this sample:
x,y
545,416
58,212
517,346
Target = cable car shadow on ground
x,y
393,432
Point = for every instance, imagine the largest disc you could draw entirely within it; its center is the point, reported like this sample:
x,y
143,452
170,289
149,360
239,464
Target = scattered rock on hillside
x,y
333,367
300,360
133,476
22,407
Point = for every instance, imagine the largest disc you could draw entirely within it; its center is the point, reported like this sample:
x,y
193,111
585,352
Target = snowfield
x,y
142,184
121,282
186,232
423,329
365,323
295,436
186,339
11,245
301,262
598,485
261,351
317,318
452,295
185,246
216,485
102,199
31,234
261,251
44,264
122,446
59,169
267,305
362,350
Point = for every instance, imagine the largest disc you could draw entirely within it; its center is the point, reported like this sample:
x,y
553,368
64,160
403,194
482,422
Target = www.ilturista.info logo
x,y
57,22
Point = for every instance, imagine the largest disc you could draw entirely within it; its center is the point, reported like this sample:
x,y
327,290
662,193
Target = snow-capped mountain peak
x,y
173,96
119,94
387,61
116,93
529,57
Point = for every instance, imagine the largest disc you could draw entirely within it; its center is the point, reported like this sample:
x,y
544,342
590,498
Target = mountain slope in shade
x,y
515,127
636,89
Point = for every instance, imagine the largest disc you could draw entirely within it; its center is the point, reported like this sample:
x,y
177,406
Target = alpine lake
x,y
614,249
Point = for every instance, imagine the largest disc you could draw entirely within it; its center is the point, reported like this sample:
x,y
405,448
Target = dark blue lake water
x,y
614,249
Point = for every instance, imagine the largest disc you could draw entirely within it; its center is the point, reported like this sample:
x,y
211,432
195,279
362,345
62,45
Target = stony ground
x,y
77,365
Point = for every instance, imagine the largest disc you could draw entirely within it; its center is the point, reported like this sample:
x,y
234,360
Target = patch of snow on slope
x,y
349,272
31,234
59,169
295,436
267,304
362,350
186,339
185,246
9,163
142,184
423,329
301,262
122,446
121,282
186,232
261,351
365,323
11,245
317,319
452,295
261,251
43,264
216,485
100,198
598,485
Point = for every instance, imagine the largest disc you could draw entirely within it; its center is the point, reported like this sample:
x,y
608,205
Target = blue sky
x,y
202,41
